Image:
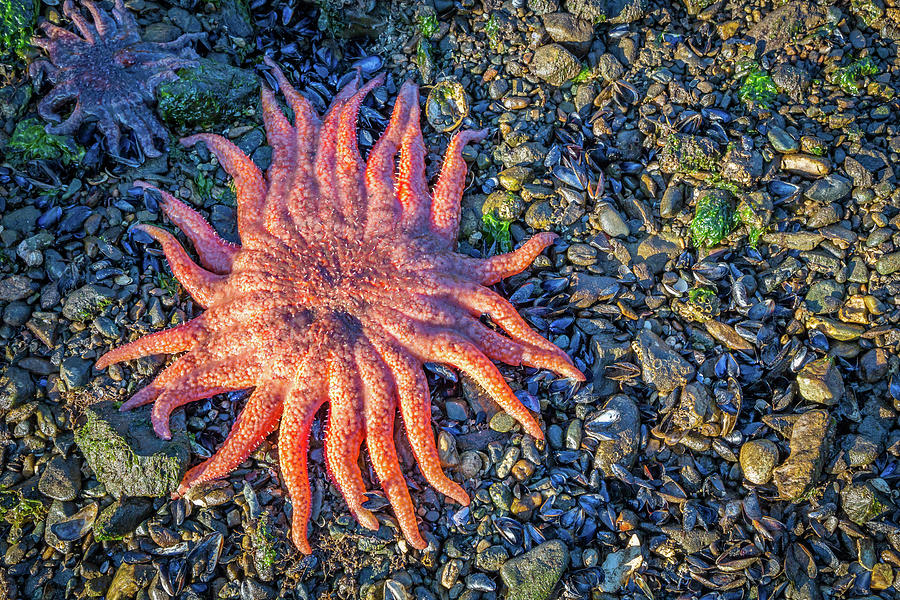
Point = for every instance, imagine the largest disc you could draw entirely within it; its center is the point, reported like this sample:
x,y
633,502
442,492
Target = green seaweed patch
x,y
713,218
17,19
206,95
30,141
847,78
757,86
496,231
428,25
17,510
492,29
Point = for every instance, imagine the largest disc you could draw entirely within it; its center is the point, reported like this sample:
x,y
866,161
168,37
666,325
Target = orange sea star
x,y
345,282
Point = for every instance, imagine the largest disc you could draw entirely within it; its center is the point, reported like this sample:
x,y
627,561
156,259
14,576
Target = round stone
x,y
758,459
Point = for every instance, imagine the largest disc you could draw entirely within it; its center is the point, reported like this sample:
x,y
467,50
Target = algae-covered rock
x,y
713,218
127,456
206,95
534,575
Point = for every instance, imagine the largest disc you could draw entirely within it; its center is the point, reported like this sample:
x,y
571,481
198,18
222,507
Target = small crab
x,y
109,72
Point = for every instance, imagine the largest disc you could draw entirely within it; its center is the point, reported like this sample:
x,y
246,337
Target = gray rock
x,y
127,456
554,64
790,79
690,541
758,459
236,18
828,189
820,381
661,366
787,23
61,479
610,221
568,29
862,176
607,350
17,287
811,438
86,301
608,11
22,219
619,421
656,251
534,574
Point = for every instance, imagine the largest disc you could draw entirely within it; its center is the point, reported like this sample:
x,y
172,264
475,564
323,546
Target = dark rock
x,y
16,388
127,456
206,95
75,371
121,518
828,189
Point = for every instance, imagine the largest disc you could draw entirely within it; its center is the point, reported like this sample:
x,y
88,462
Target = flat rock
x,y
661,366
820,381
534,575
61,479
127,456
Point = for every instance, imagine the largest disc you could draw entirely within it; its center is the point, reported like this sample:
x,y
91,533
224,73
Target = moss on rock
x,y
127,456
206,95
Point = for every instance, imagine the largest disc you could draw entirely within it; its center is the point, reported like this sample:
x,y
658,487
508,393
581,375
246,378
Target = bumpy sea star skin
x,y
109,72
345,282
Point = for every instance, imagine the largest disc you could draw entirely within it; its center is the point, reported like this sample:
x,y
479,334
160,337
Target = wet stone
x,y
554,64
127,456
811,439
121,518
618,424
17,287
61,479
686,153
742,166
888,264
567,29
534,574
128,580
782,141
758,459
491,558
820,381
862,503
86,301
824,297
806,165
502,422
75,371
661,366
16,388
828,189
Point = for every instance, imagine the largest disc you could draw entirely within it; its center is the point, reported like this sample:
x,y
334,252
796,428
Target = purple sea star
x,y
109,72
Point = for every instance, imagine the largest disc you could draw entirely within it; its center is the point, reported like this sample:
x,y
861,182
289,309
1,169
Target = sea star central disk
x,y
345,282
